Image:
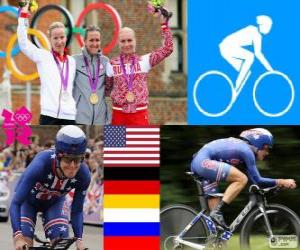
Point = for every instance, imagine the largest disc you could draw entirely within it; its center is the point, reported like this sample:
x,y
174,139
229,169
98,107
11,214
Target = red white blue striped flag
x,y
131,147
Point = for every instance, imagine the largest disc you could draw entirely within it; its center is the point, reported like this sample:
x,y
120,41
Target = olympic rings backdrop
x,y
41,40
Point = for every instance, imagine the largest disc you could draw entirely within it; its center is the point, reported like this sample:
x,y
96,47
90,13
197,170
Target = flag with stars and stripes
x,y
131,184
131,147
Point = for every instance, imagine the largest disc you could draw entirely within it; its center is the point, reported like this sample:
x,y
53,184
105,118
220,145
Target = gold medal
x,y
94,98
130,96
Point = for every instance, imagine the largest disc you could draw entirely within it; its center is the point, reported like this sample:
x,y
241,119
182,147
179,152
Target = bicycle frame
x,y
256,199
211,227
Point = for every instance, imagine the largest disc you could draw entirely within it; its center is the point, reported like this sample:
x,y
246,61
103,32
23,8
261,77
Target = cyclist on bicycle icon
x,y
43,186
233,51
218,160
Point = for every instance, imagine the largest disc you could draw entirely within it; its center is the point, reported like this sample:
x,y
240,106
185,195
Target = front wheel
x,y
286,80
283,222
173,219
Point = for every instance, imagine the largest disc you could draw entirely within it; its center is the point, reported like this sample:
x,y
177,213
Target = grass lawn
x,y
258,242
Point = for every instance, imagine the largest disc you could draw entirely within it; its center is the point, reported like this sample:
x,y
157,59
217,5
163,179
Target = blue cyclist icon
x,y
234,49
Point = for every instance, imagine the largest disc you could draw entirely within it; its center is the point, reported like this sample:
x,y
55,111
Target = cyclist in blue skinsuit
x,y
43,186
217,161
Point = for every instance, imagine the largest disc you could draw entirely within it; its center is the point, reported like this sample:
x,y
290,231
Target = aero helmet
x,y
258,137
70,140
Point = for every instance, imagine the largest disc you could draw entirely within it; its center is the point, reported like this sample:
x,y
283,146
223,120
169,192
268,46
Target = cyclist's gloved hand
x,y
286,183
79,245
20,243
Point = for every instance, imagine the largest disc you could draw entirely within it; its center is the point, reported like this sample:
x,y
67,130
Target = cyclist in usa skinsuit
x,y
43,186
217,162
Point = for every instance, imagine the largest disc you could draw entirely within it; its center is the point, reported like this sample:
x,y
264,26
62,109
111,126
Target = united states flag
x,y
131,146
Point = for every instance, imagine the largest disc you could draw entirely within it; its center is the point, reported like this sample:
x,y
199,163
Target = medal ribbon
x,y
93,82
64,79
130,77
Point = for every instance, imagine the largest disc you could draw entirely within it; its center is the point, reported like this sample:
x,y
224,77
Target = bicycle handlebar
x,y
60,243
263,191
37,239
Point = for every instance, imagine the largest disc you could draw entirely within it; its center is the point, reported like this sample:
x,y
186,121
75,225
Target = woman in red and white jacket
x,y
127,77
56,70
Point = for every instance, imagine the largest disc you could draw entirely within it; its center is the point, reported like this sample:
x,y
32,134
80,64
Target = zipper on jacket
x,y
78,101
93,117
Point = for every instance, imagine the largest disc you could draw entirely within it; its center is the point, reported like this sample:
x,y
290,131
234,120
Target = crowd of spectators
x,y
18,157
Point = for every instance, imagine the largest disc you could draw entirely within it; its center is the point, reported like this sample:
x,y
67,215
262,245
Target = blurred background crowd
x,y
18,156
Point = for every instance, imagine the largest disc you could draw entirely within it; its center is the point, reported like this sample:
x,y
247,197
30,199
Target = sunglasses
x,y
75,159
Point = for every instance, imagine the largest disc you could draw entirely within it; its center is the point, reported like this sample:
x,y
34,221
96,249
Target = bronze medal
x,y
130,96
94,98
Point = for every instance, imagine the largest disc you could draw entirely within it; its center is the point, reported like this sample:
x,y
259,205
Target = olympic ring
x,y
37,35
77,29
14,10
10,62
22,117
63,11
116,19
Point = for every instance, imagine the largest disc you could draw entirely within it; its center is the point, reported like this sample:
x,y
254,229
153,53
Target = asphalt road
x,y
93,236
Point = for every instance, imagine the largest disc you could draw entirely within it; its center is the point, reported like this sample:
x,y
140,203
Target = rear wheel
x,y
283,221
173,219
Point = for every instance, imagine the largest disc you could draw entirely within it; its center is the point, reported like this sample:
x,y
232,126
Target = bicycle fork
x,y
266,219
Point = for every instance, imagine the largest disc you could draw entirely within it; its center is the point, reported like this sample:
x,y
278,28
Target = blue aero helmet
x,y
258,137
70,140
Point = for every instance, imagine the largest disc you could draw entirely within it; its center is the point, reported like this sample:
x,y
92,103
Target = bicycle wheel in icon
x,y
284,226
199,100
286,80
173,219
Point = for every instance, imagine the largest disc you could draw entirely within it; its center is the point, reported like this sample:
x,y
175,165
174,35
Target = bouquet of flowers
x,y
157,6
33,5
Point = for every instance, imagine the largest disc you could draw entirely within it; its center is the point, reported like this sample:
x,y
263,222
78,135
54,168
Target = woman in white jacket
x,y
56,70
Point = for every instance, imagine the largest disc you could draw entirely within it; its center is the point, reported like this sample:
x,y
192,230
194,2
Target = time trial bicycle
x,y
263,225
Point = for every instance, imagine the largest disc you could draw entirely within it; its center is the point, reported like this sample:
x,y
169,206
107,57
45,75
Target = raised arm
x,y
29,49
166,49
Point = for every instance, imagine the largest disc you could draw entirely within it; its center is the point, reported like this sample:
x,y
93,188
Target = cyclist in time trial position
x,y
234,48
217,161
43,186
